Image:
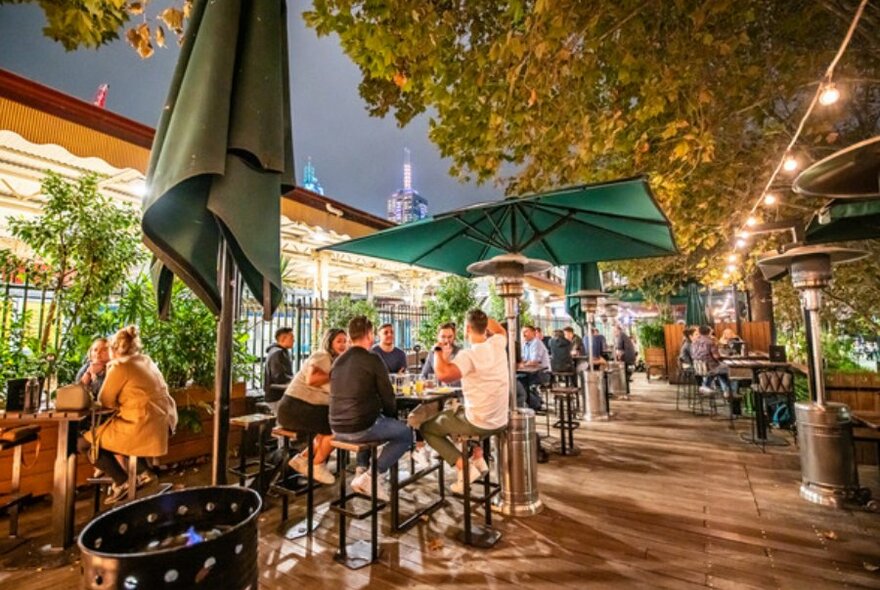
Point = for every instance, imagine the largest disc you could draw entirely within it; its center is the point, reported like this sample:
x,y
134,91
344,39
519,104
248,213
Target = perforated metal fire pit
x,y
203,537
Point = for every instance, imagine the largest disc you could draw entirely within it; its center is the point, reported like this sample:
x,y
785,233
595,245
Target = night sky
x,y
358,158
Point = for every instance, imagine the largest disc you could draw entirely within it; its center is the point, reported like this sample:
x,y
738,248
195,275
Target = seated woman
x,y
305,404
145,412
730,343
91,375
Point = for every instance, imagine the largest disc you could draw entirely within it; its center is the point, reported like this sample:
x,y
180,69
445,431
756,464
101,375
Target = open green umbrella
x,y
221,158
589,223
580,277
695,309
845,220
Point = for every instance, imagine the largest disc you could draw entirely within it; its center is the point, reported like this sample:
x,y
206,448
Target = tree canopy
x,y
700,96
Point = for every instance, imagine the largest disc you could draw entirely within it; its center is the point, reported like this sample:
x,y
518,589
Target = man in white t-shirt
x,y
483,370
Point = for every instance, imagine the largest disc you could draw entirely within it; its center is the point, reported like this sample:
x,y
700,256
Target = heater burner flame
x,y
192,537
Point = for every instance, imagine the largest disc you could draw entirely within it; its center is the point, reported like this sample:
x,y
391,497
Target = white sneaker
x,y
423,458
706,390
323,475
362,485
116,493
481,465
359,470
458,486
299,464
143,479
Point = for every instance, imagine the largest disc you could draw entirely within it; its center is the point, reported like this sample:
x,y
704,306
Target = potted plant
x,y
652,341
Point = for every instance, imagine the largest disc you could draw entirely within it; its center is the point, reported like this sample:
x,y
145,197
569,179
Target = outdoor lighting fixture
x,y
790,164
751,221
743,234
825,430
770,199
731,268
732,258
740,243
829,95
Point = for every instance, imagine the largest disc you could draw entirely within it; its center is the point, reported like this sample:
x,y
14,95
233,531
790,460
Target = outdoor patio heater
x,y
594,405
518,448
824,428
193,538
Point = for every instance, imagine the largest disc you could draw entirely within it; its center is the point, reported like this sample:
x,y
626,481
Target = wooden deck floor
x,y
657,499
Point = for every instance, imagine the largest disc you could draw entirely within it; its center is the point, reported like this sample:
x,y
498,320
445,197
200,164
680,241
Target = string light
x,y
829,95
743,234
751,221
731,268
732,258
826,94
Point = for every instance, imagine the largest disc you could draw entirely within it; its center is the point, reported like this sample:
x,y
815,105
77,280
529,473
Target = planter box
x,y
655,362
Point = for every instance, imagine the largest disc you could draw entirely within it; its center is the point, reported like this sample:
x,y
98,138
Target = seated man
x,y
278,371
535,361
560,353
363,408
485,383
704,349
445,337
577,344
393,357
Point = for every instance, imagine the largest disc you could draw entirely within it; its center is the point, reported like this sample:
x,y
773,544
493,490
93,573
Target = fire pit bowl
x,y
203,537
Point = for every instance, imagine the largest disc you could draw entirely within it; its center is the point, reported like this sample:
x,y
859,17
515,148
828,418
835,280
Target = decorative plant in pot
x,y
653,343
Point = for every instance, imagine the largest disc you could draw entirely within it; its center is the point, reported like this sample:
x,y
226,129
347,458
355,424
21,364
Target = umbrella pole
x,y
227,278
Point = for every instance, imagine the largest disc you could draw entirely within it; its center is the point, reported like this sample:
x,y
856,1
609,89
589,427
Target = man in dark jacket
x,y
278,371
560,353
363,407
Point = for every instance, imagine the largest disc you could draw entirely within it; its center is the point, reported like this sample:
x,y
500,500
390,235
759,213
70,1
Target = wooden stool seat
x,y
283,433
356,447
251,420
564,390
293,484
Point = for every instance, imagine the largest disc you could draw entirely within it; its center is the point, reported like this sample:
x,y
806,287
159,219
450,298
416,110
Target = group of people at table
x,y
342,391
700,346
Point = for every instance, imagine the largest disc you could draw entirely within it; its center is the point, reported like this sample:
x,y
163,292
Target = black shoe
x,y
543,456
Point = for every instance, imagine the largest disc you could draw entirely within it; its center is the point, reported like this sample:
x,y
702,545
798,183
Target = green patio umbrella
x,y
851,173
221,158
589,223
580,277
695,309
845,220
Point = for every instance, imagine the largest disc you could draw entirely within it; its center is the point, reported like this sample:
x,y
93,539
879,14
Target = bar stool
x,y
292,484
566,422
397,485
484,536
13,501
701,371
686,384
262,423
100,484
360,553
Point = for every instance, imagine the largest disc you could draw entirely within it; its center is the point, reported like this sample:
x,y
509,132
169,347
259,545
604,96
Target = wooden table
x,y
64,472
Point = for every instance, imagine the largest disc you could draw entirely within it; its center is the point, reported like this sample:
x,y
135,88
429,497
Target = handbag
x,y
72,398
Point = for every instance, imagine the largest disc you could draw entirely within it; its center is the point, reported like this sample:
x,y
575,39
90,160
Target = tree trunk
x,y
761,302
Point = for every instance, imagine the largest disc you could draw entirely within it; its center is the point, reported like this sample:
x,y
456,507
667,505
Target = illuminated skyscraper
x,y
406,204
310,180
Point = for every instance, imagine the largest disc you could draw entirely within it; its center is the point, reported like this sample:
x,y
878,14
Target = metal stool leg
x,y
374,517
132,477
343,460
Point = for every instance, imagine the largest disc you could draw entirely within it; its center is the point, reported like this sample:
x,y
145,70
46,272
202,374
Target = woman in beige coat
x,y
145,412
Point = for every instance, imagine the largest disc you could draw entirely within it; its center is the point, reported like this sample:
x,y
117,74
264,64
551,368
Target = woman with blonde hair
x,y
145,412
305,404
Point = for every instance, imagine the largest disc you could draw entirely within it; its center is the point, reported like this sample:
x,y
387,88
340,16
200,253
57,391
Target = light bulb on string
x,y
769,199
751,221
829,94
732,258
790,164
740,243
731,268
743,234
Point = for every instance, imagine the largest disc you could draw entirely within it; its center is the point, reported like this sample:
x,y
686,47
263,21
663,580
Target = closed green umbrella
x,y
590,223
580,277
845,220
221,158
695,309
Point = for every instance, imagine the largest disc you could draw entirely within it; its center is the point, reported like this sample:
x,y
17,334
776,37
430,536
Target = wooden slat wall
x,y
860,391
755,334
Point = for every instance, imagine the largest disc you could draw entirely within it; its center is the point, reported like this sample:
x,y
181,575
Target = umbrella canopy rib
x,y
480,234
497,229
554,206
608,231
553,257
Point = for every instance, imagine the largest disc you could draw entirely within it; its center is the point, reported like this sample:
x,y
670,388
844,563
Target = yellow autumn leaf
x,y
160,36
135,8
173,19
